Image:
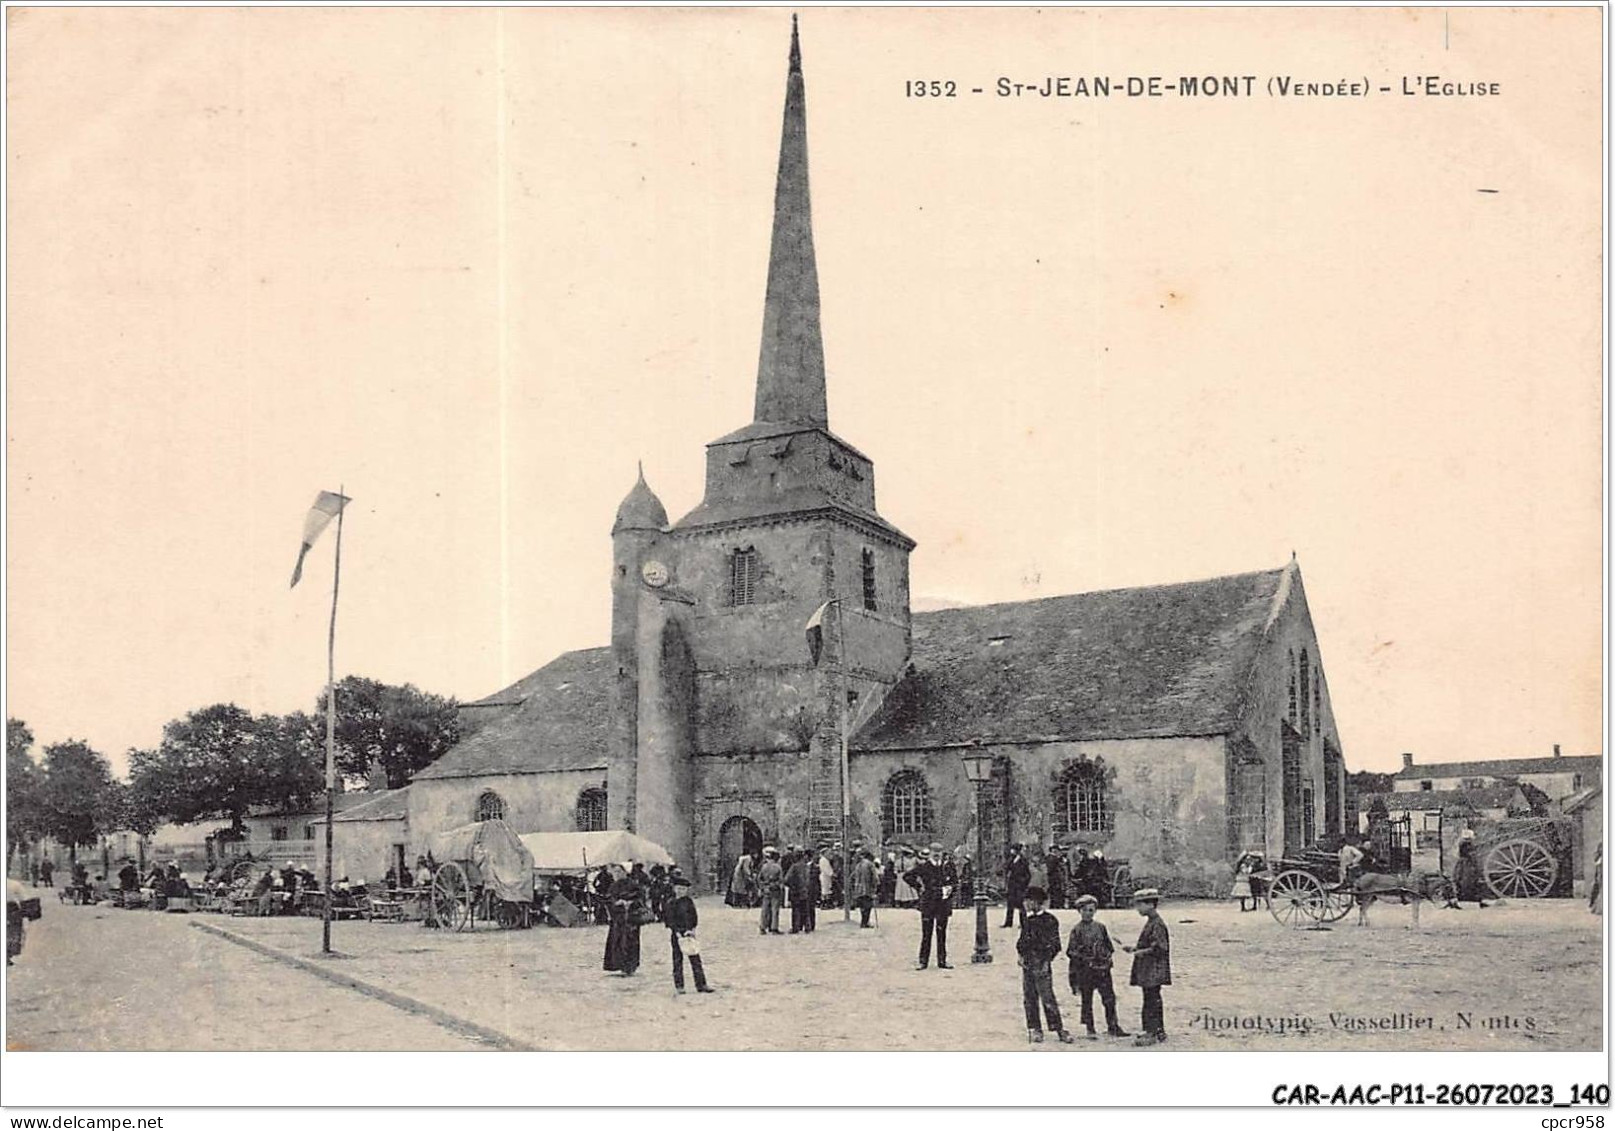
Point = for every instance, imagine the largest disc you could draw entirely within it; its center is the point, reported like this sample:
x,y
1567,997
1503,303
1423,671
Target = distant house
x,y
368,838
1558,776
287,836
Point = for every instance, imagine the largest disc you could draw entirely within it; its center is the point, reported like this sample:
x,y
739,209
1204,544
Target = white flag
x,y
326,507
815,632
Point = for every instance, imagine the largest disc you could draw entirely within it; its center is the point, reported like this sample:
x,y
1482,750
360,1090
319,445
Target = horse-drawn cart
x,y
482,872
1307,891
1525,857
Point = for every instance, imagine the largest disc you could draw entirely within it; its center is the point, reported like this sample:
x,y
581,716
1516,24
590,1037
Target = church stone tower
x,y
788,522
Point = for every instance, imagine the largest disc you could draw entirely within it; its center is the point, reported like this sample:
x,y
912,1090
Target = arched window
x,y
591,813
1082,800
907,811
743,574
490,806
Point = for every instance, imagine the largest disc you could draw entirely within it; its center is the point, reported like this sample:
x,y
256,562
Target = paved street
x,y
1520,976
92,978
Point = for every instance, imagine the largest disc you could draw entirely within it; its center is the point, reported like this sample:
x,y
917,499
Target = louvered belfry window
x,y
869,580
743,570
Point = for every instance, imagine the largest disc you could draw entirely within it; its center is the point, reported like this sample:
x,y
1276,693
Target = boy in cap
x,y
1038,946
1090,951
681,919
1152,965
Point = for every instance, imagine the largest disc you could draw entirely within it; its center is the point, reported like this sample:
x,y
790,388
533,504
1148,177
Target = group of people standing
x,y
809,879
635,898
1061,874
1090,953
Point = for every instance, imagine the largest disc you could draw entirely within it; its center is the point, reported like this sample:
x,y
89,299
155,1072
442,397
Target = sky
x,y
471,266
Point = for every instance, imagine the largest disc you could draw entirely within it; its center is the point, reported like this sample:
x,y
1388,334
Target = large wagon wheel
x,y
451,897
1296,898
1520,869
1121,885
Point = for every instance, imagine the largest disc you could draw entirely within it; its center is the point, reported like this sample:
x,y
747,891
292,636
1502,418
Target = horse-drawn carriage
x,y
481,872
1518,858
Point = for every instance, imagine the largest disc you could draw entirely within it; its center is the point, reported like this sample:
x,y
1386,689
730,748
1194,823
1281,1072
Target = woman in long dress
x,y
1466,876
622,937
905,895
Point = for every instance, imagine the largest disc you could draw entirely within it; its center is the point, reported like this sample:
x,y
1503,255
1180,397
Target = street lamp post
x,y
979,770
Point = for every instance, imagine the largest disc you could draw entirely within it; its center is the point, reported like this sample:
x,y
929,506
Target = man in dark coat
x,y
799,886
1152,965
865,881
935,882
1057,876
681,919
1017,878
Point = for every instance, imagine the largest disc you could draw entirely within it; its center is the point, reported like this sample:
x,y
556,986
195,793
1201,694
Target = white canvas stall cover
x,y
502,862
571,852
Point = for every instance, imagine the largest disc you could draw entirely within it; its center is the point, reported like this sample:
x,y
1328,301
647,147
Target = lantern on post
x,y
979,771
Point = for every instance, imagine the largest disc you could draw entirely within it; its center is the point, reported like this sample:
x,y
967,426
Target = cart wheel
x,y
451,897
1520,869
1121,885
1337,904
1296,898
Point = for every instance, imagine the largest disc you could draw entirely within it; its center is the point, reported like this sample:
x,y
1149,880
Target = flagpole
x,y
846,782
330,724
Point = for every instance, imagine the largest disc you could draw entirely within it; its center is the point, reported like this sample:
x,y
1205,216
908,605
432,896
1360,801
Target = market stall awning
x,y
568,852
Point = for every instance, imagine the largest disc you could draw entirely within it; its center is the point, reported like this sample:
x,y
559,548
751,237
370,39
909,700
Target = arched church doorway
x,y
737,835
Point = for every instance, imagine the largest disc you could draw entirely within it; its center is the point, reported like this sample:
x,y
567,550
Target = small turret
x,y
640,525
640,509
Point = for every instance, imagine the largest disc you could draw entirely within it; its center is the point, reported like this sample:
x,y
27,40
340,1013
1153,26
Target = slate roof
x,y
1492,797
799,500
1122,663
390,805
561,723
342,802
1504,767
1153,662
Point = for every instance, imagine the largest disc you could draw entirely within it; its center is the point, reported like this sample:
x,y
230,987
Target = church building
x,y
1175,726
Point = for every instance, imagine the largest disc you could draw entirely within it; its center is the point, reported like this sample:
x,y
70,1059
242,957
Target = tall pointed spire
x,y
790,369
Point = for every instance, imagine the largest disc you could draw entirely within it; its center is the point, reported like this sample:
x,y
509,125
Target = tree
x,y
78,783
222,762
399,728
25,785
